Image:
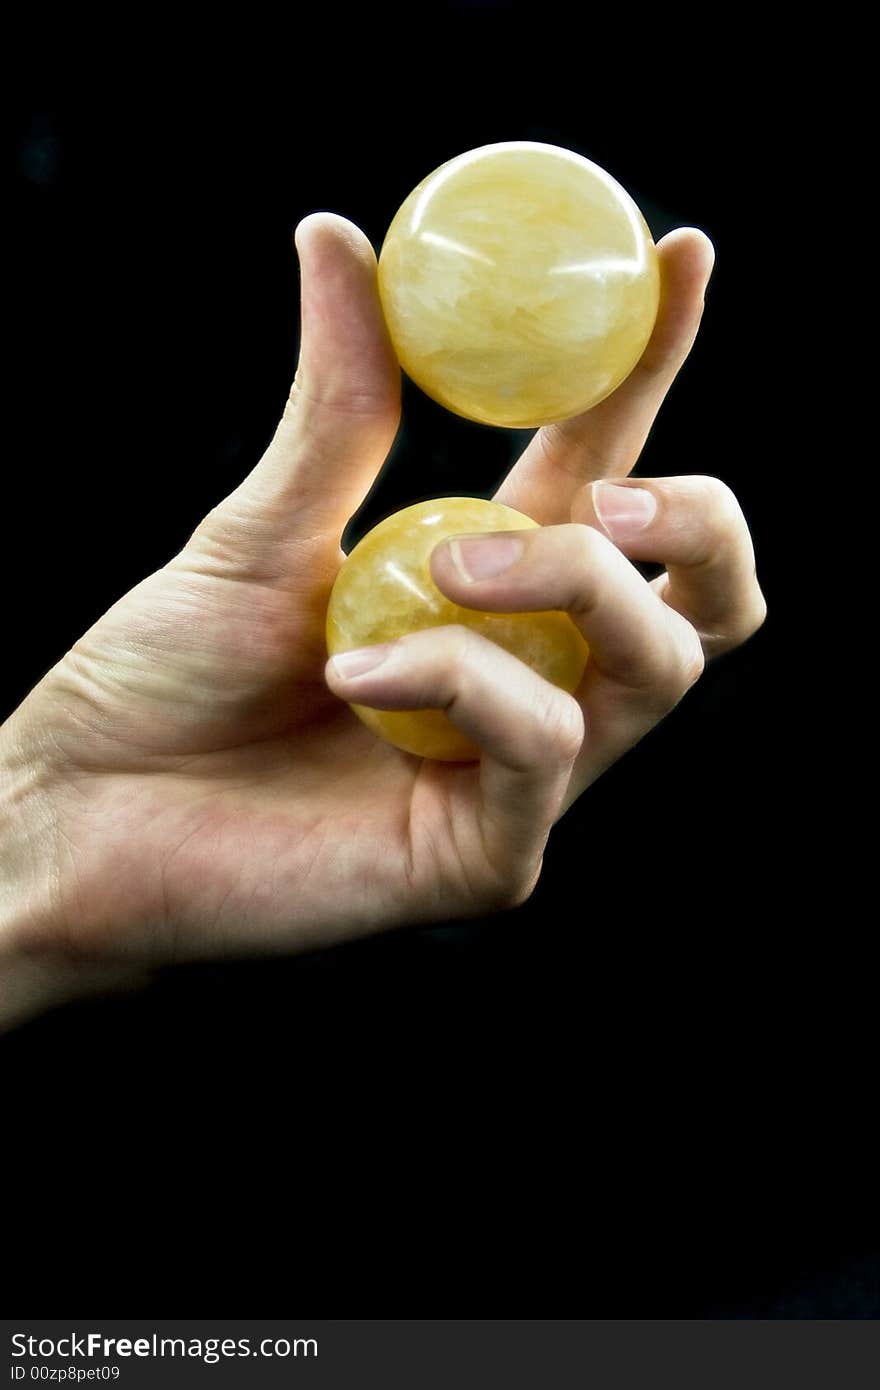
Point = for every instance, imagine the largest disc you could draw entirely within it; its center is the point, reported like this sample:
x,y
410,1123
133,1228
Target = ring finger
x,y
695,527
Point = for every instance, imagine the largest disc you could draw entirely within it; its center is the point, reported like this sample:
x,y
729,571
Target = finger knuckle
x,y
590,545
721,504
450,647
587,566
561,723
461,644
358,401
687,662
693,664
759,617
523,886
293,404
452,655
751,623
225,543
514,887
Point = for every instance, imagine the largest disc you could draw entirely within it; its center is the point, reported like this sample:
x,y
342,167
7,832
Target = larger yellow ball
x,y
520,284
384,590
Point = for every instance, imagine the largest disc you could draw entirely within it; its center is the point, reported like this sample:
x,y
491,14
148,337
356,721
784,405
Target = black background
x,y
646,1092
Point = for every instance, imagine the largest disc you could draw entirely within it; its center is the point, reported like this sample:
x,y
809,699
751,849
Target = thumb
x,y
342,414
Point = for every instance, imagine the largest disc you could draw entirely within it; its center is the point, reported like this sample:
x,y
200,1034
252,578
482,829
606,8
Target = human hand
x,y
186,781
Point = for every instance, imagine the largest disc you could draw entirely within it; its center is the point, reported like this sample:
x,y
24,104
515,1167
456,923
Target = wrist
x,y
37,966
28,841
31,977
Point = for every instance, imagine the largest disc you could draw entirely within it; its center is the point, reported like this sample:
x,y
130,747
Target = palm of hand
x,y
231,797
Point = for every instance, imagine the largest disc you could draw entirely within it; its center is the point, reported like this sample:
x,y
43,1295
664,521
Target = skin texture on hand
x,y
189,781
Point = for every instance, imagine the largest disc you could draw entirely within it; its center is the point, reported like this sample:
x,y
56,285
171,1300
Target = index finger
x,y
607,440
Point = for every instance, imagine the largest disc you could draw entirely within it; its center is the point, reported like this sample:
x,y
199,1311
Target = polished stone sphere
x,y
520,284
384,590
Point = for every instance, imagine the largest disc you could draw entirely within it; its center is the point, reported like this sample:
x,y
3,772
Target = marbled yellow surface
x,y
519,283
384,590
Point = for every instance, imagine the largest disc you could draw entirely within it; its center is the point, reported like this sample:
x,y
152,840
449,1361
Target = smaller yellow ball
x,y
384,590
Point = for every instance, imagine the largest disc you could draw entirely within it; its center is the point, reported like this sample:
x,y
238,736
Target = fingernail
x,y
357,663
623,511
485,557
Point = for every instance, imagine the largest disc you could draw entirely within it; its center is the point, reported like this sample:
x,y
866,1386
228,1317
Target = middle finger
x,y
607,440
636,641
